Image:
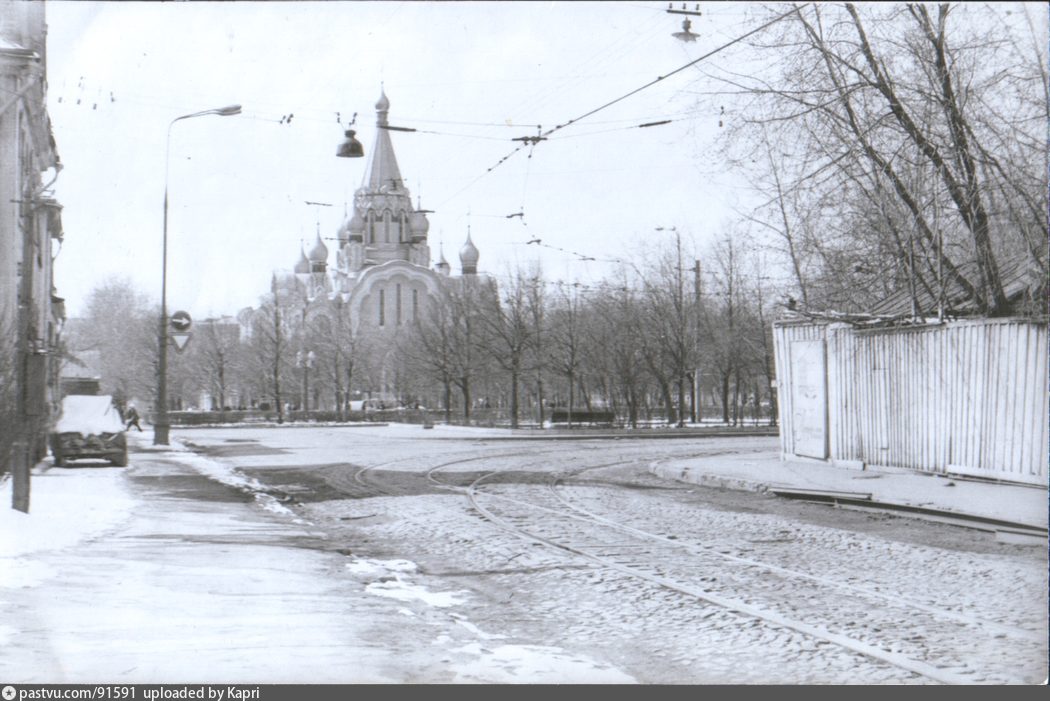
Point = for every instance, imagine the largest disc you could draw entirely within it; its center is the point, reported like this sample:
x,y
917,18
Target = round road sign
x,y
180,321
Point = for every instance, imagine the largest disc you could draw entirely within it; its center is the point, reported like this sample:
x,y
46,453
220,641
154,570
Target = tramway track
x,y
696,548
731,583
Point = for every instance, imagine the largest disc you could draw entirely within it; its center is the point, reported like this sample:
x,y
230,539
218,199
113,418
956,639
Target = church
x,y
382,281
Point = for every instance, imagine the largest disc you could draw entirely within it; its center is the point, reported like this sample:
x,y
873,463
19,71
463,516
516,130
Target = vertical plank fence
x,y
965,397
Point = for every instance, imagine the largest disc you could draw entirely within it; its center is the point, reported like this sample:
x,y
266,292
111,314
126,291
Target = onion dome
x,y
319,253
303,266
468,257
442,265
357,223
384,103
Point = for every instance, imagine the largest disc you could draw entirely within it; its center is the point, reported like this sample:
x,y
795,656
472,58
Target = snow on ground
x,y
477,661
533,664
226,474
67,506
387,578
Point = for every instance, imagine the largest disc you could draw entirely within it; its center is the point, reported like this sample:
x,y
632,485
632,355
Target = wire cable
x,y
660,78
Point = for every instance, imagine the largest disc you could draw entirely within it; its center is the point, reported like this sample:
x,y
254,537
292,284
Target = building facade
x,y
383,282
30,221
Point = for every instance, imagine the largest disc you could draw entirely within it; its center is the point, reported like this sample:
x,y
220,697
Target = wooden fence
x,y
965,397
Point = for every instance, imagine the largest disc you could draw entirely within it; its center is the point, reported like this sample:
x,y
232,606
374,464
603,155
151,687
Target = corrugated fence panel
x,y
964,396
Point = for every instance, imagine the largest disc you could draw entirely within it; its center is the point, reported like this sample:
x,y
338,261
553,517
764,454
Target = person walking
x,y
132,418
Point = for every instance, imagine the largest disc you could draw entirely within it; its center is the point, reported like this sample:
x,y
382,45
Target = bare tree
x,y
613,340
120,325
902,144
506,323
566,338
217,346
268,346
536,299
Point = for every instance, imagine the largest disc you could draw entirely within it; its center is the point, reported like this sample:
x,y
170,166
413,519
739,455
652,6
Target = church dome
x,y
442,265
384,104
357,223
303,266
319,253
468,256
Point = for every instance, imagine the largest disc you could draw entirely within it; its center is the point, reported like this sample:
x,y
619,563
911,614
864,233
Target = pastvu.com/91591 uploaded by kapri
x,y
129,693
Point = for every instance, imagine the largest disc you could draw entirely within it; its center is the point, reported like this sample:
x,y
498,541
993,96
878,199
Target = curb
x,y
1025,532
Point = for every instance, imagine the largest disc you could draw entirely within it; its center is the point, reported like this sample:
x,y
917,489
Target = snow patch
x,y
228,475
532,664
475,630
379,567
386,579
215,470
403,590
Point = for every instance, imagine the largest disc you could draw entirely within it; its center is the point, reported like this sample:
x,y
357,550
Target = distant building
x,y
383,280
81,375
30,312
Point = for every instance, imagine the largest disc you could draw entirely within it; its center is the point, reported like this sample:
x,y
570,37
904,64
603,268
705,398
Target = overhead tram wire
x,y
674,72
543,137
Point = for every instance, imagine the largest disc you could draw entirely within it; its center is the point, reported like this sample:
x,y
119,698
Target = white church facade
x,y
383,280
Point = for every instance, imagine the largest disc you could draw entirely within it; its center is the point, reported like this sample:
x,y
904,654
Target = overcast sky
x,y
479,74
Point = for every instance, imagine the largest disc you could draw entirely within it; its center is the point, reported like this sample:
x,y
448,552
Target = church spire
x,y
383,170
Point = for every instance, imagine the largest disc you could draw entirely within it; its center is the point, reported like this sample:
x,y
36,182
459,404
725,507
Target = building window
x,y
382,304
397,302
415,305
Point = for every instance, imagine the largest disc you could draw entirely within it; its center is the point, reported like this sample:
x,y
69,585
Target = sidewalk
x,y
765,471
155,574
179,570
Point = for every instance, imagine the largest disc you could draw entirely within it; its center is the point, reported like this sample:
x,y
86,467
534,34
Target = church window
x,y
397,302
382,310
371,227
386,226
415,305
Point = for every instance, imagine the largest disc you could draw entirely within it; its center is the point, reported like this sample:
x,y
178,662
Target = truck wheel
x,y
57,457
120,460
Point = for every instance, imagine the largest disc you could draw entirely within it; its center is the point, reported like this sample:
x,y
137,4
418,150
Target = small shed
x,y
965,396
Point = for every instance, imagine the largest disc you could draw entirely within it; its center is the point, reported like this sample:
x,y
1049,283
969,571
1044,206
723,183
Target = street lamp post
x,y
161,424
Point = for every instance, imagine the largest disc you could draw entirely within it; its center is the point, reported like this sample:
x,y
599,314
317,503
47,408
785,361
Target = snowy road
x,y
571,551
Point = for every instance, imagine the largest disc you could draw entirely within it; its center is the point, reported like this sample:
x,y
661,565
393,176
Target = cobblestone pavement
x,y
950,603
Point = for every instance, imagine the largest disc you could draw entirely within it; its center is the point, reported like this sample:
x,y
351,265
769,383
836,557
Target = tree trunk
x,y
514,398
725,398
448,401
665,390
539,396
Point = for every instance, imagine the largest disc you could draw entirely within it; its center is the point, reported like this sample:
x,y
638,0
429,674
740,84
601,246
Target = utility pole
x,y
698,410
26,435
680,285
